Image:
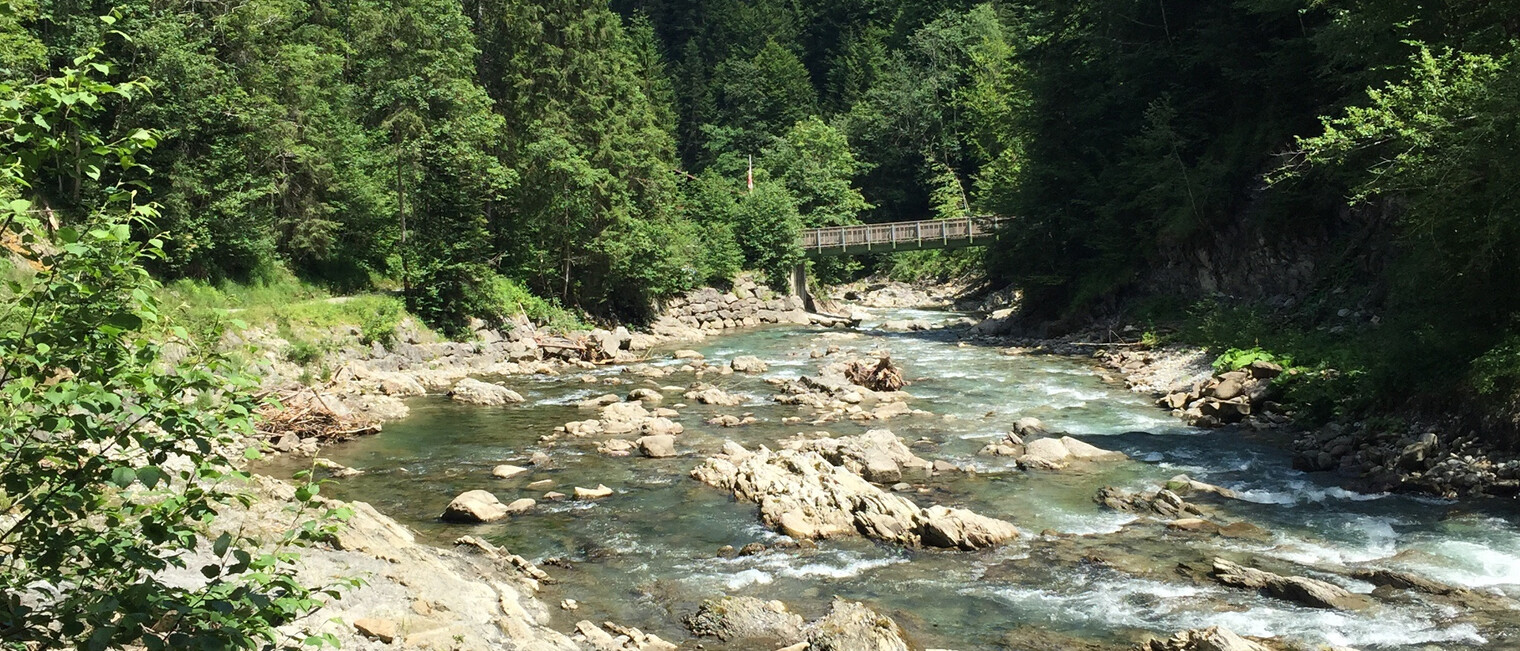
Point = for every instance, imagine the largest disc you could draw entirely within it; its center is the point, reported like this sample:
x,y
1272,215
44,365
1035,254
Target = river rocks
x,y
599,401
687,354
615,448
851,626
906,325
611,637
1056,454
383,630
400,385
1206,639
599,492
475,392
1225,398
1185,485
660,426
336,470
507,471
1030,428
729,420
646,397
1309,592
583,428
748,364
1008,446
474,507
1405,581
714,396
1162,503
804,496
748,619
878,455
659,446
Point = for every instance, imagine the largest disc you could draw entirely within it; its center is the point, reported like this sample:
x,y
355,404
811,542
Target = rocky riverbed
x,y
744,493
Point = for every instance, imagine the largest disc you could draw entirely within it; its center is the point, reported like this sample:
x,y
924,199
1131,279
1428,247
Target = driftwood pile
x,y
588,350
303,412
884,376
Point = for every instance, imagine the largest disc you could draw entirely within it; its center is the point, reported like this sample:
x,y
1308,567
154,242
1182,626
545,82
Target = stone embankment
x,y
747,305
894,294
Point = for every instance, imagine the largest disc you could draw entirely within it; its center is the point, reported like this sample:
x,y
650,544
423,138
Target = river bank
x,y
649,550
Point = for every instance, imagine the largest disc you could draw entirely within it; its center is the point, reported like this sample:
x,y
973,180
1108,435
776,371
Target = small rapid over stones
x,y
747,494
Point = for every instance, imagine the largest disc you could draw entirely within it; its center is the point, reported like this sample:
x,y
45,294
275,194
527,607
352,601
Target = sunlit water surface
x,y
647,556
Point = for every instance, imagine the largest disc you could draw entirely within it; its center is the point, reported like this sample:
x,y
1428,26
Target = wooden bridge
x,y
898,236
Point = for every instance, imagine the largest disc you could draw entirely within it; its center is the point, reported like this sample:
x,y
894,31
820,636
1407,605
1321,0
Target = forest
x,y
1318,195
595,155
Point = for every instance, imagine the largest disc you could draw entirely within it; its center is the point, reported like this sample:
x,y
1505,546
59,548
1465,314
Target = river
x,y
647,556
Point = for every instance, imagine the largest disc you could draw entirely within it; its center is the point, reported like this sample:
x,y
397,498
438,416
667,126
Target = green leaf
x,y
222,542
150,476
123,477
125,321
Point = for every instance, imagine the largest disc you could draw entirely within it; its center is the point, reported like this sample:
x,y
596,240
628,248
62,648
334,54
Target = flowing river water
x,y
647,556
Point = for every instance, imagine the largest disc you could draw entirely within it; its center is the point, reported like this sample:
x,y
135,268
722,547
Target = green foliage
x,y
711,203
1496,373
513,298
1235,359
762,96
935,265
596,223
814,162
113,479
766,223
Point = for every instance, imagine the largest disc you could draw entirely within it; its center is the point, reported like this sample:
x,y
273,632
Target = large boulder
x,y
1205,639
715,396
851,626
805,496
1045,454
647,397
746,618
474,392
1309,592
1058,453
1162,503
748,364
475,507
659,446
878,455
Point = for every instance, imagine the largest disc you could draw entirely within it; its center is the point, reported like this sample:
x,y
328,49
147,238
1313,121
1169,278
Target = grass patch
x,y
304,314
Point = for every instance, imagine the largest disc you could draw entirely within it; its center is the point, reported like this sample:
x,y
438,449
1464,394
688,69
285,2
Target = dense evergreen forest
x,y
597,154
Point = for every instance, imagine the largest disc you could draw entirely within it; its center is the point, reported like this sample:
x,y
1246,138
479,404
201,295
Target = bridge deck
x,y
897,236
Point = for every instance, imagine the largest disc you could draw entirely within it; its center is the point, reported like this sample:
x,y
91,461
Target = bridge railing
x,y
891,234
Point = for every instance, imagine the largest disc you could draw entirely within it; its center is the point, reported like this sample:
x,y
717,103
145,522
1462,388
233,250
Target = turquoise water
x,y
647,556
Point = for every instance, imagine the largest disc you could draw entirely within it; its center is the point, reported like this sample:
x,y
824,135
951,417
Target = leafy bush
x,y
767,226
112,476
379,324
513,298
1235,359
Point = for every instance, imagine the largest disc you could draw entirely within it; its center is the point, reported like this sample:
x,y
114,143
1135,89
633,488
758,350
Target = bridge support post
x,y
800,287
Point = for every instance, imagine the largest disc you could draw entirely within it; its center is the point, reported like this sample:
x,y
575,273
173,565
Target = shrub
x,y
1235,359
112,476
